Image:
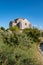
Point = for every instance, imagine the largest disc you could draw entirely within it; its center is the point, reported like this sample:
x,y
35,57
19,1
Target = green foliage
x,y
42,34
33,33
15,28
19,48
2,28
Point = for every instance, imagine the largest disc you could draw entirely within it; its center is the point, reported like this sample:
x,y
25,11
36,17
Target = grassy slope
x,y
23,51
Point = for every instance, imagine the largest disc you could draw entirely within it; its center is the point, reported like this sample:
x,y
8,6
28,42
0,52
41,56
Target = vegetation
x,y
2,28
33,33
15,28
18,48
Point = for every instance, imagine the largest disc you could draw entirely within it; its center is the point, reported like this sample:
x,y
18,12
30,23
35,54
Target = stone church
x,y
21,23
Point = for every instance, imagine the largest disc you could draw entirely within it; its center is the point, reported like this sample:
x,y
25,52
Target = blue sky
x,y
30,9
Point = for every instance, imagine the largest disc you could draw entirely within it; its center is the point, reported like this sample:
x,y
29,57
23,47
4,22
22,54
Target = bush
x,y
34,33
2,28
15,28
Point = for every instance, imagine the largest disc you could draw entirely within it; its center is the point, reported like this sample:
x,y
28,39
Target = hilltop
x,y
20,48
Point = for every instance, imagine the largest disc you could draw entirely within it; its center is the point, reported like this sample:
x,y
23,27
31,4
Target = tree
x,y
2,28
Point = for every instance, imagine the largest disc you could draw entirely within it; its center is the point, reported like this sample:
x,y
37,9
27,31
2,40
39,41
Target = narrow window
x,y
25,23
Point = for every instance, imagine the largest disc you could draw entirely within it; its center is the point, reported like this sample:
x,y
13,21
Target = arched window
x,y
25,23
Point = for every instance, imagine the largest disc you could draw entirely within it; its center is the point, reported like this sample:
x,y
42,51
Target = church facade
x,y
21,23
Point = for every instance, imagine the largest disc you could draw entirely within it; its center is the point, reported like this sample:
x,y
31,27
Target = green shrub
x,y
34,33
2,28
15,28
